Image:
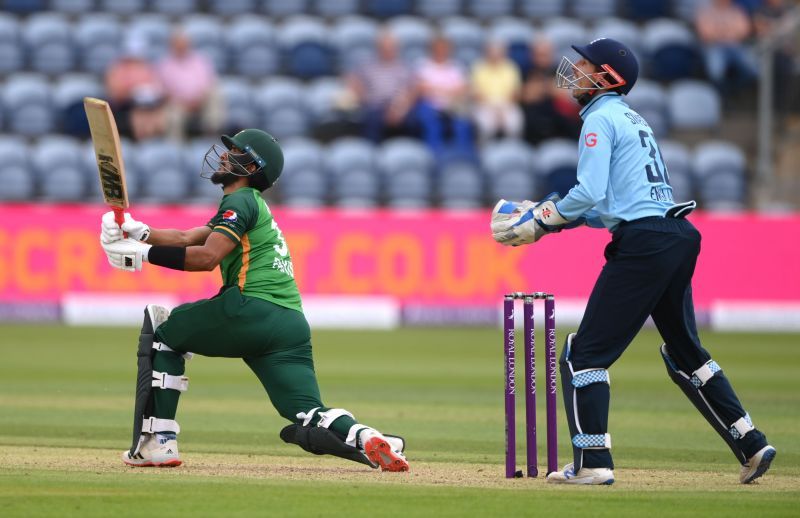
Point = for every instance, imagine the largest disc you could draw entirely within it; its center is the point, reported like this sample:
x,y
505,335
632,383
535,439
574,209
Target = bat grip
x,y
119,217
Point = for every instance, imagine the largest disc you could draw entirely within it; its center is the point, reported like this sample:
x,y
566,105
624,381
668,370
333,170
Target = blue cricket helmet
x,y
613,57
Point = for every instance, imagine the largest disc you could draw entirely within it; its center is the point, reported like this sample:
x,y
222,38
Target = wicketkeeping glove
x,y
126,254
515,224
110,231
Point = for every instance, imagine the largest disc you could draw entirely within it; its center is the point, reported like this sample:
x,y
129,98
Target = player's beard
x,y
223,178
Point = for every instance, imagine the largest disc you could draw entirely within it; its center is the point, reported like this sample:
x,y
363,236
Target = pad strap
x,y
159,346
588,376
163,380
154,424
740,428
307,416
352,434
327,418
592,441
701,376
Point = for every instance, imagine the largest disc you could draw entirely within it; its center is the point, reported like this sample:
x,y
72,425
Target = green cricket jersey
x,y
260,264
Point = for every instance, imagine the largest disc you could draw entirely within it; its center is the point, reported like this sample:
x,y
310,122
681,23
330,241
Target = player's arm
x,y
139,231
171,237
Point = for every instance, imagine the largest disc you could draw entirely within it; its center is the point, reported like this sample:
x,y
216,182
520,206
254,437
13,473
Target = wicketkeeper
x,y
623,185
256,316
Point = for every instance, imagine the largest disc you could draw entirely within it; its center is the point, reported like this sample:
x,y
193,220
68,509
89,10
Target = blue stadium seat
x,y
687,9
460,185
507,155
467,37
694,105
286,122
593,9
321,97
558,161
511,30
564,32
719,169
487,10
413,35
206,34
541,9
58,166
335,8
305,42
16,181
513,184
410,190
282,8
354,39
356,188
301,153
621,30
27,103
439,8
48,40
23,6
201,190
350,153
388,8
251,47
160,163
303,188
670,49
175,7
649,99
238,96
72,6
11,55
679,168
155,29
68,93
98,38
281,107
233,7
123,6
646,9
397,155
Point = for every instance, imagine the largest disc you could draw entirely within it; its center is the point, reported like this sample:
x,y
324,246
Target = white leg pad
x,y
329,416
153,425
163,380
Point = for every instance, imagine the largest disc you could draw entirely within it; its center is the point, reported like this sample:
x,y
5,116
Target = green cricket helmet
x,y
253,146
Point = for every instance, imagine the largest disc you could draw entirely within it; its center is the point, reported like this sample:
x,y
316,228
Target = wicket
x,y
530,382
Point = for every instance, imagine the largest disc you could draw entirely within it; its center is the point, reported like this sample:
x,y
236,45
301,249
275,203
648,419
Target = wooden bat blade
x,y
108,152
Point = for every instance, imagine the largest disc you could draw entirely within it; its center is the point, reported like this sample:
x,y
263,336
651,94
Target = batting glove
x,y
110,231
127,254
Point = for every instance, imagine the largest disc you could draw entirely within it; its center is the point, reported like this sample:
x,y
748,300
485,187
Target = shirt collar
x,y
598,101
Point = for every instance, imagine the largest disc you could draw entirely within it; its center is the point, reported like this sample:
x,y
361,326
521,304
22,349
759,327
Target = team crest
x,y
229,216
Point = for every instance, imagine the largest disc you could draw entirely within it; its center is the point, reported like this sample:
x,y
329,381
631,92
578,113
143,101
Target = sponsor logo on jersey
x,y
229,216
590,139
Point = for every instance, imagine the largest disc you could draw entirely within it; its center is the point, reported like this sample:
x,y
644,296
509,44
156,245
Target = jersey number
x,y
282,249
654,174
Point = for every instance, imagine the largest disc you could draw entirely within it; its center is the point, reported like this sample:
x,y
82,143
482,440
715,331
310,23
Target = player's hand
x,y
515,224
111,232
126,254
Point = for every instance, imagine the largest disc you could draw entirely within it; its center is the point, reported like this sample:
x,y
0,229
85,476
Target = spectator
x,y
495,85
723,27
190,81
383,91
548,112
442,105
136,94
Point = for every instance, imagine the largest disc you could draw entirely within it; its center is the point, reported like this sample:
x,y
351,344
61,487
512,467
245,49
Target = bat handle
x,y
119,217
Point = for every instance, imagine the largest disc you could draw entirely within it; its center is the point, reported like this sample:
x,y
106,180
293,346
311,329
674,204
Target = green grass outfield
x,y
66,404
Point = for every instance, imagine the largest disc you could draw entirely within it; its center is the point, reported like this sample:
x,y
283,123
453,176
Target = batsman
x,y
623,185
257,316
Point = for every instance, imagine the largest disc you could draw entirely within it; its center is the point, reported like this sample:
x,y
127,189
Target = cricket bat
x,y
108,153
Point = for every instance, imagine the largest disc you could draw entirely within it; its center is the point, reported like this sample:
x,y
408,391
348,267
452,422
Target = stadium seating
x,y
593,9
439,8
48,40
413,35
233,7
671,50
397,155
280,107
160,162
649,99
558,161
98,39
321,97
27,103
482,9
460,185
251,48
11,56
354,37
282,8
349,153
57,163
16,181
467,38
541,9
694,105
335,8
410,190
67,95
621,30
719,168
679,168
154,29
388,8
238,96
123,6
200,189
563,33
206,35
356,188
304,188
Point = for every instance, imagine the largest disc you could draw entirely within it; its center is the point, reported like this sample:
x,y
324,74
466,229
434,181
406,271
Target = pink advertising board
x,y
426,257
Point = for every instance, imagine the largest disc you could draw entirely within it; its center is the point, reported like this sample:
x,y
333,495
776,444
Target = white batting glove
x,y
127,254
110,231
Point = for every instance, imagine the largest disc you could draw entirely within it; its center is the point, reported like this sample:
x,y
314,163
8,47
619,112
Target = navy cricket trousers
x,y
648,272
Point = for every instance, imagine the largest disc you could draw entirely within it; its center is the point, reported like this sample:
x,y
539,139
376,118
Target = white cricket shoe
x,y
154,452
386,452
586,476
757,465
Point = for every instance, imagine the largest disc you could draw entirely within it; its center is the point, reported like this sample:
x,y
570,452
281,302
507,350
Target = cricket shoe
x,y
757,465
160,451
386,452
584,476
